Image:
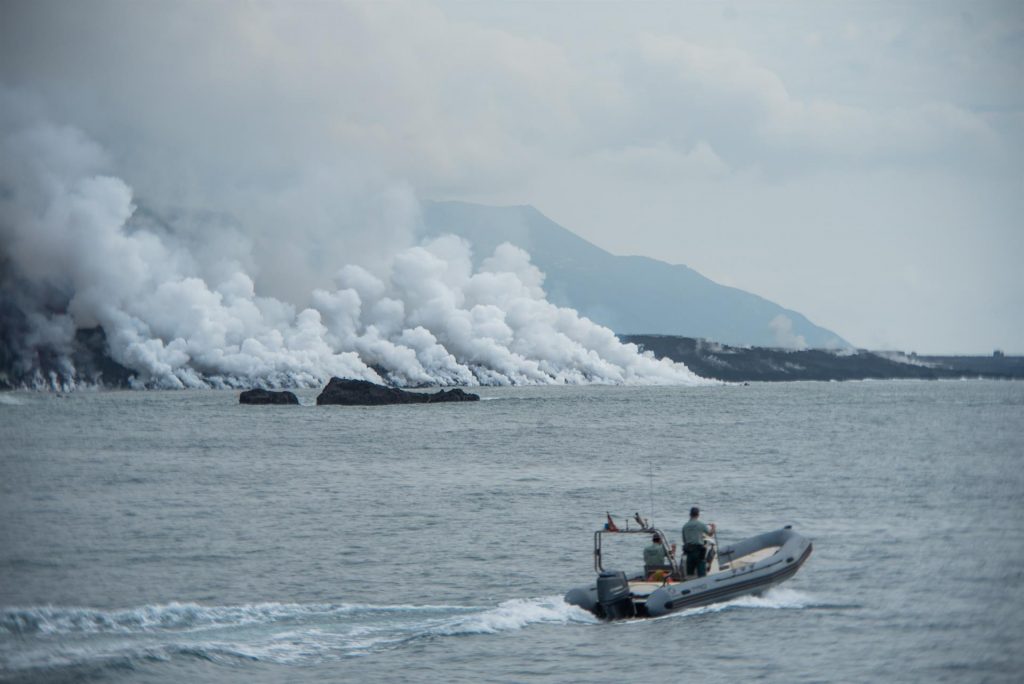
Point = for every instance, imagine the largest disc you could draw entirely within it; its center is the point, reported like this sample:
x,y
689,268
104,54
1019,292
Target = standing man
x,y
693,543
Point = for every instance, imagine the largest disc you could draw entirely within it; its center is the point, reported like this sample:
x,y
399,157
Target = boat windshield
x,y
626,546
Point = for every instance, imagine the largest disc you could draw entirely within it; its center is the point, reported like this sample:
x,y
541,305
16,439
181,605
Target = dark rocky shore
x,y
750,364
92,365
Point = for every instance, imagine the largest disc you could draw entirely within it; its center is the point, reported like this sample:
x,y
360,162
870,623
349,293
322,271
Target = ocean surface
x,y
179,536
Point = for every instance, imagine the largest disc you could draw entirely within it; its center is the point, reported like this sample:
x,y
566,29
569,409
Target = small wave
x,y
127,652
10,400
283,648
116,656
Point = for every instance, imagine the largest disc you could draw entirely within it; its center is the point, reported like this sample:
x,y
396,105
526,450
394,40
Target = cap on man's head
x,y
694,512
655,539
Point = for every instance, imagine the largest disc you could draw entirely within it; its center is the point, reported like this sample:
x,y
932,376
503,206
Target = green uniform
x,y
694,531
693,547
654,555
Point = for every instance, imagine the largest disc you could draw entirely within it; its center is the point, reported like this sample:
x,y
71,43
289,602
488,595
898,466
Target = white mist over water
x,y
183,305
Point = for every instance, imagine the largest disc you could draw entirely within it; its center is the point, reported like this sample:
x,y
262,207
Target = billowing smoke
x,y
179,298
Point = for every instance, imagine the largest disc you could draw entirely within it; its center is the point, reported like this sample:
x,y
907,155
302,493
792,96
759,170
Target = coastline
x,y
762,364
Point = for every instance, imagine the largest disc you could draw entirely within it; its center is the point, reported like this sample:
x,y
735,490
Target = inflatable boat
x,y
748,567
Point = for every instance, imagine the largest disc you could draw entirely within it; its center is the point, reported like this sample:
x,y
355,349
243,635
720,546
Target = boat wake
x,y
51,638
777,598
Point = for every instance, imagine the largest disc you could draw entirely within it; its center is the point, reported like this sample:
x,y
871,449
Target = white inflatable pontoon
x,y
748,567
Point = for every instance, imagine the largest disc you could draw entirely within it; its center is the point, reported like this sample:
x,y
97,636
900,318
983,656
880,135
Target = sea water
x,y
164,536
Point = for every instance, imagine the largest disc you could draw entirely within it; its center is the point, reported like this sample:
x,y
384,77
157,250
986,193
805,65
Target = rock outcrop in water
x,y
362,393
262,396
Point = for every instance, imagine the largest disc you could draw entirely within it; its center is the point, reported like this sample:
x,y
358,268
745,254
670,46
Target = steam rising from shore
x,y
182,308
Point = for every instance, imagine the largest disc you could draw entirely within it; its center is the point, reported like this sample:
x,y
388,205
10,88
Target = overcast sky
x,y
860,163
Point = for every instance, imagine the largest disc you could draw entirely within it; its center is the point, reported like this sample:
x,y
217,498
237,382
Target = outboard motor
x,y
613,595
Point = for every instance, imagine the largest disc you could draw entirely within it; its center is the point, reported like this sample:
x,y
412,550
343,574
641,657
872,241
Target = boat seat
x,y
751,558
641,589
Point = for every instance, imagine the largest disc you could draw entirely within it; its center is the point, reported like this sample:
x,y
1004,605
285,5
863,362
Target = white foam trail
x,y
280,633
776,598
517,614
509,616
53,620
179,311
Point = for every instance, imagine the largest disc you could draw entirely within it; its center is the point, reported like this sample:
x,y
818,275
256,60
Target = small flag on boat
x,y
610,525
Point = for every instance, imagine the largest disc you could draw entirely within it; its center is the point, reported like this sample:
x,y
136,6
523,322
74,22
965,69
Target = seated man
x,y
655,557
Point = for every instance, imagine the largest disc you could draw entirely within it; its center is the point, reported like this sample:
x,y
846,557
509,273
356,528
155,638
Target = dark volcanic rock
x,y
262,396
363,393
86,361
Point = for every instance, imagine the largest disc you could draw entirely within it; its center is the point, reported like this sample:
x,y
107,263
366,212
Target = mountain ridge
x,y
629,294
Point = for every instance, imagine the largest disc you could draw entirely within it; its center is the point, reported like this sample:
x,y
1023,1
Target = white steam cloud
x,y
785,337
180,305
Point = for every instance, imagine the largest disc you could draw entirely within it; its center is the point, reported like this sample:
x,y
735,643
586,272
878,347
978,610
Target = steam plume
x,y
181,307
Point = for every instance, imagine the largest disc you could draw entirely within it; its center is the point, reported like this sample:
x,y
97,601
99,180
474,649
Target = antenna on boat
x,y
650,465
